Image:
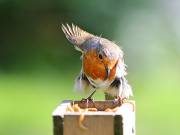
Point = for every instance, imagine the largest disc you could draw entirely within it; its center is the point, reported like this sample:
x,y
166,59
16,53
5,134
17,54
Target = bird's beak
x,y
107,73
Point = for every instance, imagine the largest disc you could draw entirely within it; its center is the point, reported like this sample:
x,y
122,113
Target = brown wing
x,y
76,35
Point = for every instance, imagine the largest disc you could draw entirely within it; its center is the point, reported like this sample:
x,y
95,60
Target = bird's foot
x,y
89,98
87,101
120,100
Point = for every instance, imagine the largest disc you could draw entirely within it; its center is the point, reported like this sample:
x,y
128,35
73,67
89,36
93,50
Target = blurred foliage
x,y
38,65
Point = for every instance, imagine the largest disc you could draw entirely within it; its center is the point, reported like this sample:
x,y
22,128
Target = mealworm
x,y
108,110
81,119
76,108
69,109
115,109
92,109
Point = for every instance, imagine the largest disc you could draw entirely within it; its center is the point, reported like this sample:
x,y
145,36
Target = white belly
x,y
99,83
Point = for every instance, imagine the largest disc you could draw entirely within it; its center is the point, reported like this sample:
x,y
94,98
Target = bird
x,y
103,66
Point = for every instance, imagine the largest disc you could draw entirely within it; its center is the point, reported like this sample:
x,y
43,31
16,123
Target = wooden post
x,y
121,122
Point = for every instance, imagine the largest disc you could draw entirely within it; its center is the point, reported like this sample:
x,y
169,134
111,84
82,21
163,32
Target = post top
x,y
123,109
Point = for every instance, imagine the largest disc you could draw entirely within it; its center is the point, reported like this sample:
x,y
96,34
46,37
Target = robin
x,y
103,65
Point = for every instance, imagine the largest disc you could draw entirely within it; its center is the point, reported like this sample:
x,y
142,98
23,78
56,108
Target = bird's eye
x,y
100,56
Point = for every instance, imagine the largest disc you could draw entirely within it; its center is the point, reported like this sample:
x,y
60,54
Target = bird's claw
x,y
120,100
87,101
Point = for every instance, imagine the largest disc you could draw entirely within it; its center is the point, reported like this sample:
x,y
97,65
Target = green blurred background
x,y
38,65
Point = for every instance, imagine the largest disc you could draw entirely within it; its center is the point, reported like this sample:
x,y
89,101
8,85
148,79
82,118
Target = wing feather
x,y
75,35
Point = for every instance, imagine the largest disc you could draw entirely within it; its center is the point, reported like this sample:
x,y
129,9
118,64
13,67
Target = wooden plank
x,y
96,125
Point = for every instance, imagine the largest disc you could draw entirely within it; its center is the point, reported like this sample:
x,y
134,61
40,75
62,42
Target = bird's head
x,y
100,56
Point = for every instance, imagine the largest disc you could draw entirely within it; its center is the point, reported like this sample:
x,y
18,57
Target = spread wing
x,y
76,35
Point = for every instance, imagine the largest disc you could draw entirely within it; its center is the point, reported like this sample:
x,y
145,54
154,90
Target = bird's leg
x,y
89,98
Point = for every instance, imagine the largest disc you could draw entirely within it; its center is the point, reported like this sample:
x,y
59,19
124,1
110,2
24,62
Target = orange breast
x,y
94,67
